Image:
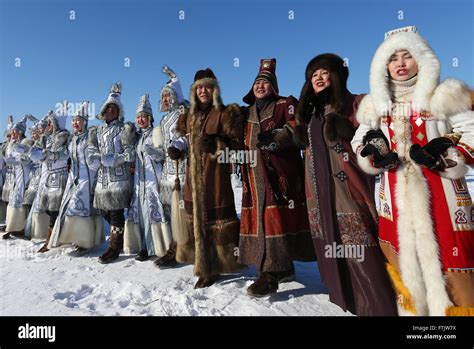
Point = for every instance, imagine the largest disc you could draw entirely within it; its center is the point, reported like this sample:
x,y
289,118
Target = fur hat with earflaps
x,y
336,92
267,72
113,98
205,77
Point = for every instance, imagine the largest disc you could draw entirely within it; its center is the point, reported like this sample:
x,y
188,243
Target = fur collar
x,y
448,98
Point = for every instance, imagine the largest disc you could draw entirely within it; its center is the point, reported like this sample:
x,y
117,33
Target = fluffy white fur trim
x,y
450,97
428,71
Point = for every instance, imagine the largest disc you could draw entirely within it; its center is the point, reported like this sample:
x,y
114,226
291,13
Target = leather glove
x,y
376,144
431,155
266,140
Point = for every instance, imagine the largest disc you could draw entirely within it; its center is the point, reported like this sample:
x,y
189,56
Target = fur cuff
x,y
300,136
284,138
458,171
366,164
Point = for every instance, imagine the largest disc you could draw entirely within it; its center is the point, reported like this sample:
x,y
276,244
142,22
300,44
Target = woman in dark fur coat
x,y
339,195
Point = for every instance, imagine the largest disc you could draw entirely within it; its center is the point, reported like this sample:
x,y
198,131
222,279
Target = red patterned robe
x,y
274,228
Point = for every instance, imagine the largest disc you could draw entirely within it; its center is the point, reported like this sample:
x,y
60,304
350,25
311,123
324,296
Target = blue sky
x,y
79,60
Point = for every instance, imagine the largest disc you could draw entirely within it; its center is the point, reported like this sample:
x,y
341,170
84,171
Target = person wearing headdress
x,y
52,150
146,215
173,104
339,195
7,170
113,143
274,227
205,131
3,171
35,167
418,135
16,156
37,223
78,222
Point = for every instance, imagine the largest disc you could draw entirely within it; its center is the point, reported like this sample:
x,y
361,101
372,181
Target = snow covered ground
x,y
57,284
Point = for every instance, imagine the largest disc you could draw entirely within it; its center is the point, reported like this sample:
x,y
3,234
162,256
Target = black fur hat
x,y
337,91
204,74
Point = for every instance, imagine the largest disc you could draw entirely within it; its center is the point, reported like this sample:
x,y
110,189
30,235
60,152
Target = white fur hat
x,y
428,69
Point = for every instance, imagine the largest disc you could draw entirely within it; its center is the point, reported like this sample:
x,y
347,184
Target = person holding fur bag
x,y
113,143
147,228
274,226
16,156
173,104
418,134
205,131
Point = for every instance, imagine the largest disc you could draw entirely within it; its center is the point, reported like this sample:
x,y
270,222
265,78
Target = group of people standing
x,y
308,195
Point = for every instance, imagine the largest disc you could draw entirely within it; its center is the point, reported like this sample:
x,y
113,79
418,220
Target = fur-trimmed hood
x,y
428,71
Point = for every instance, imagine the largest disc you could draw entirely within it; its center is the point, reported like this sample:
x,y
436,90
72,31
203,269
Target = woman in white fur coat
x,y
418,135
17,157
147,229
51,150
37,223
78,223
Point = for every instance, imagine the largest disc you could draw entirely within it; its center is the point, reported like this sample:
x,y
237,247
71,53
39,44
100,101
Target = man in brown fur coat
x,y
206,130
